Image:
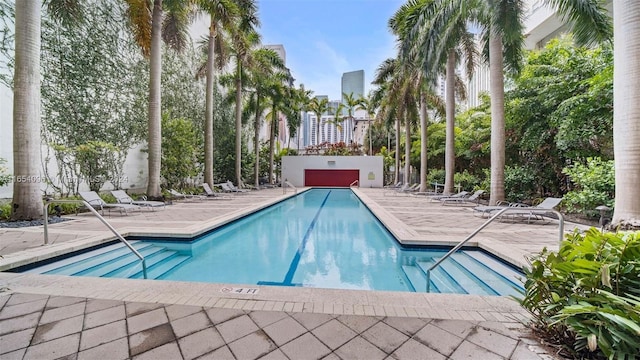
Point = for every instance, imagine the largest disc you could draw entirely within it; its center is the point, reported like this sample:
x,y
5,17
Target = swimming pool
x,y
321,238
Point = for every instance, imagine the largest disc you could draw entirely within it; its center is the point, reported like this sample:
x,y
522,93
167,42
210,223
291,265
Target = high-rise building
x,y
353,82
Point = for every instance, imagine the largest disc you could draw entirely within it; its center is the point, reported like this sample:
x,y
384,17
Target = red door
x,y
336,178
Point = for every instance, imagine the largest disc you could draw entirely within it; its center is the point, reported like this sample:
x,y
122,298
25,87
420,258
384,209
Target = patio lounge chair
x,y
461,194
123,198
96,201
178,195
474,198
228,189
234,188
530,212
212,194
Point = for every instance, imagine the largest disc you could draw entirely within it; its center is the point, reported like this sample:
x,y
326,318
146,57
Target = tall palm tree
x,y
319,106
366,104
338,119
244,39
268,71
27,199
304,99
151,25
626,112
459,44
221,13
350,102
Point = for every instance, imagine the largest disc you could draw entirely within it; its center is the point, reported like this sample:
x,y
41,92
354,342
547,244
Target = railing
x,y
497,215
354,183
113,230
286,183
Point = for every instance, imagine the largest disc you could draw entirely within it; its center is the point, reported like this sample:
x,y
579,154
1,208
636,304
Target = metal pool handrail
x,y
355,182
286,183
498,214
102,219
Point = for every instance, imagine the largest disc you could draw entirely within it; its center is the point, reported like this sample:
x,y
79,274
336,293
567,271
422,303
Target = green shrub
x,y
5,211
519,183
5,178
594,185
587,296
466,180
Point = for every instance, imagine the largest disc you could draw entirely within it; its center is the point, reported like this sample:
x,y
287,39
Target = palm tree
x,y
222,13
244,39
27,199
150,27
304,101
366,104
338,119
350,102
626,111
319,106
267,72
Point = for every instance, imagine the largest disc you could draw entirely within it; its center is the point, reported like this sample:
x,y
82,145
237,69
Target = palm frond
x,y
67,12
139,15
588,19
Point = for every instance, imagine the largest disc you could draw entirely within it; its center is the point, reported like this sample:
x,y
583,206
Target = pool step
x,y
510,273
498,276
129,260
135,268
77,264
118,261
441,278
158,270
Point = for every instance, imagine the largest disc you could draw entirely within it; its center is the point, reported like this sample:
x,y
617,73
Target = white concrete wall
x,y
370,167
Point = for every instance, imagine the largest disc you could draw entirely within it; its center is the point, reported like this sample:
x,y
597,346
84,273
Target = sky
x,y
325,38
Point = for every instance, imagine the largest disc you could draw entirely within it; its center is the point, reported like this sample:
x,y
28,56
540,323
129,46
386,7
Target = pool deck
x,y
46,316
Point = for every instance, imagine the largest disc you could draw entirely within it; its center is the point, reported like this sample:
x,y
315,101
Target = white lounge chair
x,y
474,198
461,194
178,195
212,194
123,198
524,211
234,188
96,201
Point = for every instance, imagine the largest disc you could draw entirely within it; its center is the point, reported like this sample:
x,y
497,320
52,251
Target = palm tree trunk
x,y
256,142
497,119
154,122
208,122
423,142
407,149
27,199
450,155
272,139
239,125
626,111
397,172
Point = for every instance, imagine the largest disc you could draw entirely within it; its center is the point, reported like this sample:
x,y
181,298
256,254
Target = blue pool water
x,y
321,238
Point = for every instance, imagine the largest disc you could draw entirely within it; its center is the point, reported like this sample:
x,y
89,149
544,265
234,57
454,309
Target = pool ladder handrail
x,y
354,183
286,183
48,201
497,215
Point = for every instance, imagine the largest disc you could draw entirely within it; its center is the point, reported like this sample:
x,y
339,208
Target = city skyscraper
x,y
353,82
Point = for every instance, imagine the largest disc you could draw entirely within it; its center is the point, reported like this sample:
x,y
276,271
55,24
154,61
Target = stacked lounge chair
x,y
123,198
96,201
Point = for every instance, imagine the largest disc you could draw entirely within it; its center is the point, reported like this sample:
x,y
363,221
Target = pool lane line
x,y
296,258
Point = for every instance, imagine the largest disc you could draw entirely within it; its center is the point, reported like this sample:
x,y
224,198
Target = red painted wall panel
x,y
339,178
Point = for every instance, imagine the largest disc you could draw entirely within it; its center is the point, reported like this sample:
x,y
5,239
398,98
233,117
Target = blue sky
x,y
325,38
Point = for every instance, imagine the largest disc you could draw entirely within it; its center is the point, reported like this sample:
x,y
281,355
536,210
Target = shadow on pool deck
x,y
55,316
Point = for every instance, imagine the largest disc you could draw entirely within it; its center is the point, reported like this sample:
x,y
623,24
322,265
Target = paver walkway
x,y
51,317
53,327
